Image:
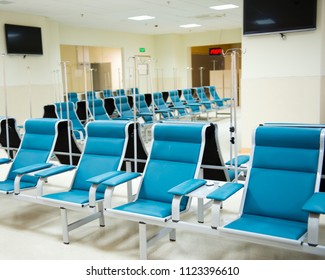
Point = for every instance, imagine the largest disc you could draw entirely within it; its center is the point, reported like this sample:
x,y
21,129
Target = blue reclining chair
x,y
192,103
120,92
210,105
281,188
91,95
221,102
161,106
34,153
123,108
97,110
73,97
144,113
63,113
107,93
178,105
171,172
101,159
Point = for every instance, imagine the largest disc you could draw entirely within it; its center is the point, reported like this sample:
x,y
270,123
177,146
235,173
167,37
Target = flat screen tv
x,y
278,16
23,40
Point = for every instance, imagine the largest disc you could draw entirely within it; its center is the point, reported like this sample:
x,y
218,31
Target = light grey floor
x,y
31,231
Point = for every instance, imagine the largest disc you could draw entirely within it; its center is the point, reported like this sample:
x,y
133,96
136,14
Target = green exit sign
x,y
142,50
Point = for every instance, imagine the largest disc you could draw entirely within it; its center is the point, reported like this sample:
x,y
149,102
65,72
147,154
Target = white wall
x,y
283,80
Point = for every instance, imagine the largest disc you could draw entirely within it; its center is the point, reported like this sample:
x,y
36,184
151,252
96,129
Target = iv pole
x,y
64,63
233,115
5,103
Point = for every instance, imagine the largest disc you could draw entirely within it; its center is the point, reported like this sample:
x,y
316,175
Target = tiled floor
x,y
32,231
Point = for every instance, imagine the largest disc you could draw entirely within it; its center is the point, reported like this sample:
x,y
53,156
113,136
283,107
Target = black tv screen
x,y
278,16
24,40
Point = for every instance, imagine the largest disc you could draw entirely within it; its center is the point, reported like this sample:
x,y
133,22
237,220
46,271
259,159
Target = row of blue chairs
x,y
281,203
187,102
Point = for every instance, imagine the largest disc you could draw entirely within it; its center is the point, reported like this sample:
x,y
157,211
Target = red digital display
x,y
215,51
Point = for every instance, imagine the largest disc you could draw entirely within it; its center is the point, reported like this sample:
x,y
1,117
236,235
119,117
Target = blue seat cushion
x,y
73,196
8,185
148,208
269,226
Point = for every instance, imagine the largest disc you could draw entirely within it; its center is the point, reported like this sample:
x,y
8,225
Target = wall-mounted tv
x,y
278,16
23,40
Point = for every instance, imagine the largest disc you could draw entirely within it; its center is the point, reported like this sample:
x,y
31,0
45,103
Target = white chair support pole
x,y
143,241
313,229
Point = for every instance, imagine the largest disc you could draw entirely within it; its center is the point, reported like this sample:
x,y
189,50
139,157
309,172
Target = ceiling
x,y
113,14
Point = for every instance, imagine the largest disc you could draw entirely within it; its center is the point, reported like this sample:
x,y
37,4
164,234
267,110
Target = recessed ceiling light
x,y
224,7
141,18
190,25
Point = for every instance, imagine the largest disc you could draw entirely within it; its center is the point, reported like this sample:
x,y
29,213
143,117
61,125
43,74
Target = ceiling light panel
x,y
190,25
224,7
141,17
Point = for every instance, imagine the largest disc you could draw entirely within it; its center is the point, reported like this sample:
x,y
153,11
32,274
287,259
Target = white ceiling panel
x,y
113,15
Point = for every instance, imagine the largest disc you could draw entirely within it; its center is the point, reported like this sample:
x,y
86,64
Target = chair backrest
x,y
62,110
11,139
188,96
175,157
73,97
91,95
37,145
174,97
285,172
97,109
201,93
120,92
136,90
161,104
214,94
107,93
103,152
122,106
142,107
159,100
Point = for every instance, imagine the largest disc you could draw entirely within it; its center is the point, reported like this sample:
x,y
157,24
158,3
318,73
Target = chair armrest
x,y
54,171
179,191
241,159
193,104
145,114
187,187
102,177
120,178
162,111
225,191
123,118
4,160
32,168
315,204
179,107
